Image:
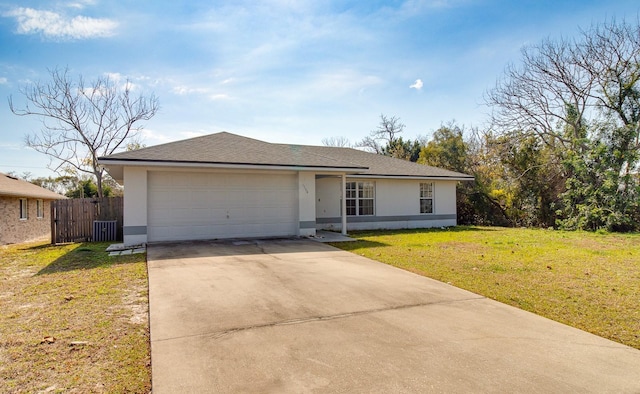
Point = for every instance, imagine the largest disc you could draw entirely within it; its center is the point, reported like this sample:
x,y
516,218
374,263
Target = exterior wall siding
x,y
14,230
397,205
135,206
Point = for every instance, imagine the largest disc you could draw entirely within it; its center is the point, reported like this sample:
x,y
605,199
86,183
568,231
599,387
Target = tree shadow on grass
x,y
87,255
357,245
38,247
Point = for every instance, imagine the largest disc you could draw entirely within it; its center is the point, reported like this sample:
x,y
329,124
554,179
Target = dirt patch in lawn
x,y
73,319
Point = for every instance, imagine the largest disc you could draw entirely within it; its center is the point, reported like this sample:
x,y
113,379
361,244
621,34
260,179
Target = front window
x,y
39,209
24,214
426,197
360,198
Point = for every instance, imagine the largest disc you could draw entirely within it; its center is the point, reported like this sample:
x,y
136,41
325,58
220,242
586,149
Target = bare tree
x,y
83,122
572,83
340,142
534,97
369,144
387,131
612,56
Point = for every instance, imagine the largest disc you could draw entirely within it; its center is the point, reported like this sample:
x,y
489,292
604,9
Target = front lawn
x,y
586,280
73,319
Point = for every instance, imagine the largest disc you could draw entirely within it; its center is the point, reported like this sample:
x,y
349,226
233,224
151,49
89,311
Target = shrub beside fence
x,y
73,220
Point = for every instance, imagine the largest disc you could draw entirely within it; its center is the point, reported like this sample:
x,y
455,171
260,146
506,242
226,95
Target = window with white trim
x,y
360,198
39,209
426,197
24,209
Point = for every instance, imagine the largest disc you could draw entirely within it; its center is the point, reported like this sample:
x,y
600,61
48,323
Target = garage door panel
x,y
201,198
162,199
169,180
168,215
183,206
201,216
199,181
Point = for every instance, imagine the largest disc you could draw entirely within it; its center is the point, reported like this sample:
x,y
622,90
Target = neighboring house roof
x,y
14,187
226,149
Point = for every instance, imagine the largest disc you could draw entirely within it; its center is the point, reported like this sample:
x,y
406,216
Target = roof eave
x,y
426,177
32,195
196,164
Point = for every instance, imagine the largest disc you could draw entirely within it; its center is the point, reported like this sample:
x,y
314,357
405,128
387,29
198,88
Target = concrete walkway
x,y
330,236
302,316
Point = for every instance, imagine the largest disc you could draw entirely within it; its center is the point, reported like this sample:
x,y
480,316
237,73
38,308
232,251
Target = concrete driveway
x,y
300,316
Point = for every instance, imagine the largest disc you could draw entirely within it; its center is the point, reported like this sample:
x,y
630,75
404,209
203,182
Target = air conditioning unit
x,y
104,230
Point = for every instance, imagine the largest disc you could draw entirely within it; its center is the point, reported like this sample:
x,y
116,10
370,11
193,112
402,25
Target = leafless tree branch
x,y
340,142
81,122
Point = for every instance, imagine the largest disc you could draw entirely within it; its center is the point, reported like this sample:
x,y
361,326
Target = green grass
x,y
587,280
95,306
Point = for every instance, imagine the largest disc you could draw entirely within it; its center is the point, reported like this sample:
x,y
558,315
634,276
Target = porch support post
x,y
344,204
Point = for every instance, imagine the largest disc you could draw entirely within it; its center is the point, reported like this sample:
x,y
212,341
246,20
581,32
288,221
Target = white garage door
x,y
189,206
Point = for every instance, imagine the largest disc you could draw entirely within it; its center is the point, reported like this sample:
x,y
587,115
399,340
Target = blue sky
x,y
280,70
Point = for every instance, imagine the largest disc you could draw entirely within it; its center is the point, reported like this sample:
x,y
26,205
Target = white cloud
x,y
130,83
417,85
10,146
151,137
219,96
54,25
182,90
3,81
80,4
115,77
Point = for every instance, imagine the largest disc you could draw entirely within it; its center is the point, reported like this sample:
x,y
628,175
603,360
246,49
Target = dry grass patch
x,y
586,280
73,319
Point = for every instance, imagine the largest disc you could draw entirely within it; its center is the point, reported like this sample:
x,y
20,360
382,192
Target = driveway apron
x,y
301,316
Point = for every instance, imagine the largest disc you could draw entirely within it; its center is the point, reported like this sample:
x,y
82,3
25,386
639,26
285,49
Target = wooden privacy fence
x,y
76,220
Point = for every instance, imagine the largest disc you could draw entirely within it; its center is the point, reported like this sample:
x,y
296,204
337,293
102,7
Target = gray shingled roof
x,y
227,148
10,186
385,165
